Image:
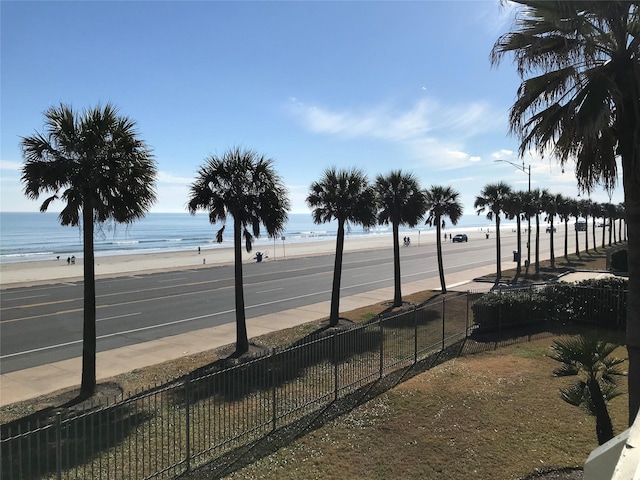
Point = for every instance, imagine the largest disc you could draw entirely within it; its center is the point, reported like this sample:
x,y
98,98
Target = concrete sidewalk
x,y
33,382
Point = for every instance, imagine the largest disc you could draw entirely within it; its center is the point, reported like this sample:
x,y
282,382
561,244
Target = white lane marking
x,y
119,316
25,298
271,290
115,334
172,279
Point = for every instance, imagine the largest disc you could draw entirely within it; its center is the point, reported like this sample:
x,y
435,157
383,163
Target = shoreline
x,y
40,272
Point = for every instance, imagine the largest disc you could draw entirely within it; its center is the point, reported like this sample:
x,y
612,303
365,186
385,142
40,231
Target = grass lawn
x,y
493,415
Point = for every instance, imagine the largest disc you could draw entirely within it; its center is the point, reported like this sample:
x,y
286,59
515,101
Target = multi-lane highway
x,y
43,324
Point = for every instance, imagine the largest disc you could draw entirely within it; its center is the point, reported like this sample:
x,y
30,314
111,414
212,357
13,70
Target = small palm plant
x,y
592,360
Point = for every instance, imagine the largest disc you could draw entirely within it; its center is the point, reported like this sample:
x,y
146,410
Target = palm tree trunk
x,y
593,230
566,239
397,293
577,244
337,275
586,234
242,339
632,206
537,244
604,229
519,229
604,428
443,285
498,251
610,229
553,255
88,382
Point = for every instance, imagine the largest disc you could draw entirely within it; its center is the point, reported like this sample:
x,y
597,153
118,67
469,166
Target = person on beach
x,y
68,260
198,250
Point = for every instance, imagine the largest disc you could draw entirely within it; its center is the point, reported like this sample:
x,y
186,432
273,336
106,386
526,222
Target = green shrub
x,y
618,261
598,302
495,311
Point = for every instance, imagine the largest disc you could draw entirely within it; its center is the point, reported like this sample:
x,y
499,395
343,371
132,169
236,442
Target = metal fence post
x,y
381,346
59,446
187,394
415,335
274,409
466,322
443,316
335,365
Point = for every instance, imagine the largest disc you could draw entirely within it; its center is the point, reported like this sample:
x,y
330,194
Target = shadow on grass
x,y
32,453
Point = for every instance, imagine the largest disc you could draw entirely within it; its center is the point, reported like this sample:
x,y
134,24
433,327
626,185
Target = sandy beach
x,y
46,271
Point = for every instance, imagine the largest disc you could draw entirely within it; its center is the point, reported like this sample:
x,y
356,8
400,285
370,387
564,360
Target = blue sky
x,y
374,85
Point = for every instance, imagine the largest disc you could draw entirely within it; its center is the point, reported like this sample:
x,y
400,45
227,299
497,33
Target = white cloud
x,y
432,132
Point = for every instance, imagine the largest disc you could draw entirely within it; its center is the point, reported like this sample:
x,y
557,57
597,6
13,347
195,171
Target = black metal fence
x,y
172,429
169,430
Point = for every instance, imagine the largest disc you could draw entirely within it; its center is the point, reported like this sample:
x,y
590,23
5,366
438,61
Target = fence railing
x,y
169,430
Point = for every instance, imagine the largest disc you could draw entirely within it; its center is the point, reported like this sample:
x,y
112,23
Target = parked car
x,y
549,229
460,237
581,226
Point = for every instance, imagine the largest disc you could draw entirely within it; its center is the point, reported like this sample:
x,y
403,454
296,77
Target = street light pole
x,y
528,172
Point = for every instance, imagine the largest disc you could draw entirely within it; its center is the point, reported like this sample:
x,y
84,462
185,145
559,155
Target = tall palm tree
x,y
611,215
529,208
580,98
400,202
622,218
242,184
539,199
596,213
585,211
604,223
592,360
347,197
492,199
513,209
442,202
96,163
564,213
575,213
550,207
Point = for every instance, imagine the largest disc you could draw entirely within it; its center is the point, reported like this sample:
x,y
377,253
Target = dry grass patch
x,y
492,415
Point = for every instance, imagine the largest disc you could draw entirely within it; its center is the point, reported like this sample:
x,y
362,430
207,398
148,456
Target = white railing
x,y
618,459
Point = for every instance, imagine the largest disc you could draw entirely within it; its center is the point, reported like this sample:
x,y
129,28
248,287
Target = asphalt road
x,y
43,324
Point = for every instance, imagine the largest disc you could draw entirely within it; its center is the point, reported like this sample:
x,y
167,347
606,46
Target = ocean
x,y
39,236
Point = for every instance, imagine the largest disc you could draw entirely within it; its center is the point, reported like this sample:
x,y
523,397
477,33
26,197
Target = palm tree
x,y
346,196
401,202
564,213
590,358
550,206
536,202
580,98
96,163
611,215
529,208
585,210
493,199
241,184
621,216
442,202
513,209
596,213
575,213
